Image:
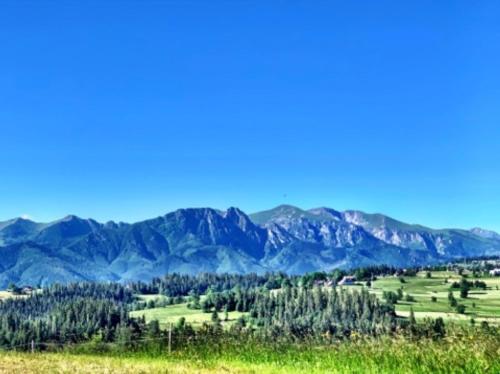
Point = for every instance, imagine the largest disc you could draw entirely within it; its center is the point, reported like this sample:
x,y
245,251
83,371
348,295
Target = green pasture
x,y
480,304
172,313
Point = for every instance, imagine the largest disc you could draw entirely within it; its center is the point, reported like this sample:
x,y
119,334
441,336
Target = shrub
x,y
409,298
464,292
400,294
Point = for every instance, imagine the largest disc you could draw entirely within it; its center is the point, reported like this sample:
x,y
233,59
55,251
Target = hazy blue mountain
x,y
17,230
335,242
285,238
447,243
488,234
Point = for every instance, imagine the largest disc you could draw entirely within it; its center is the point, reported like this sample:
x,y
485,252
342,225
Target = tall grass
x,y
462,351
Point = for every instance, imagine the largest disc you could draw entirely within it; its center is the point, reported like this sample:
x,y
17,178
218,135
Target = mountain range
x,y
285,238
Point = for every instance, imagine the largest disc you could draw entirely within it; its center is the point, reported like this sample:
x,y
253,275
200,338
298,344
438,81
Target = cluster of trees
x,y
157,303
430,328
307,312
240,299
371,272
181,284
392,297
304,312
460,308
465,286
63,314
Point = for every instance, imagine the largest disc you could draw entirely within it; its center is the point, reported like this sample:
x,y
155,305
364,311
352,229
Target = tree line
x,y
62,314
275,306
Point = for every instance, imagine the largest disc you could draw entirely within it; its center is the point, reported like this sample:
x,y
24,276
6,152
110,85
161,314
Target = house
x,y
495,272
348,280
27,290
398,273
324,283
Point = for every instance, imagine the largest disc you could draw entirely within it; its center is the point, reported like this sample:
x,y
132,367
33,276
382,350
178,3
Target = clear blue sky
x,y
127,110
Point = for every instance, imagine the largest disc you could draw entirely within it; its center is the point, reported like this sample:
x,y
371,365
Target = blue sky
x,y
127,110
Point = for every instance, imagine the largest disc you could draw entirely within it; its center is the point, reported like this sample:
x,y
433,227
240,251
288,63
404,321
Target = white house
x,y
495,272
348,280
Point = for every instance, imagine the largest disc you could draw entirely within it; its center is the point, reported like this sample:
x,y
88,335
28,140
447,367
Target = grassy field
x,y
480,305
172,313
87,364
7,295
464,354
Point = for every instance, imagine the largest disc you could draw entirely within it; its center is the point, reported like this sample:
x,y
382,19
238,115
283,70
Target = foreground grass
x,y
70,363
455,354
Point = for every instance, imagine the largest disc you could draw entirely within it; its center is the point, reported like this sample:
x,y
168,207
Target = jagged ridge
x,y
285,238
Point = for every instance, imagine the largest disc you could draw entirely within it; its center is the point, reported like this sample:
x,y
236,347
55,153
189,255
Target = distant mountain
x,y
488,234
285,238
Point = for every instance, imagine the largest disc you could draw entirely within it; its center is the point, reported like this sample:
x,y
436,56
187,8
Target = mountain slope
x,y
337,242
448,243
285,238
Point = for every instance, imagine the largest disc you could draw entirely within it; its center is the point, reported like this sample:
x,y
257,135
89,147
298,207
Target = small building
x,y
27,290
495,272
324,283
348,280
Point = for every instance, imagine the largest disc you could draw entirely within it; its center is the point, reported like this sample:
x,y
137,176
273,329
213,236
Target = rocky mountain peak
x,y
194,240
489,234
326,213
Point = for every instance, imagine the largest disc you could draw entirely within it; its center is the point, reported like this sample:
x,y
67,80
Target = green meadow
x,y
172,313
481,305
